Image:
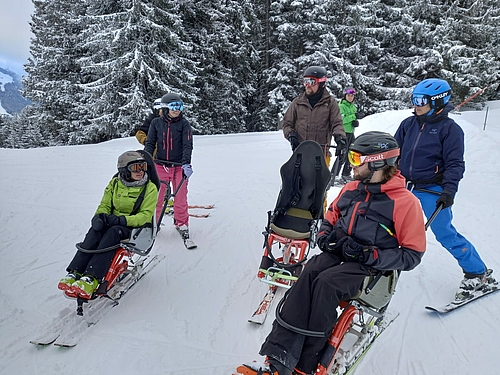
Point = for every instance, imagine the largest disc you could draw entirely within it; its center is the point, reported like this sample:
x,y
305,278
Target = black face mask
x,y
314,98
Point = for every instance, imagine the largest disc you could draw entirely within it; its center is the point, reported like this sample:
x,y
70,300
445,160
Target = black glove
x,y
112,220
333,246
446,198
325,239
355,123
97,222
341,141
354,251
294,140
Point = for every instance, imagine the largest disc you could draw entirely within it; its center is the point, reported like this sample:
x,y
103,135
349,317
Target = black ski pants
x,y
97,264
346,171
311,304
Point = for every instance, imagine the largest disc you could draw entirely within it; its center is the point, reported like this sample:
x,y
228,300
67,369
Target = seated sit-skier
x,y
374,225
112,223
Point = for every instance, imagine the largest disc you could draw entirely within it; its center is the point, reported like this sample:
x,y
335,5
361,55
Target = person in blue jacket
x,y
432,161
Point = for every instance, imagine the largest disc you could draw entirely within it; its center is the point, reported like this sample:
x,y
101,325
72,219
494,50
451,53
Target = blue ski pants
x,y
464,252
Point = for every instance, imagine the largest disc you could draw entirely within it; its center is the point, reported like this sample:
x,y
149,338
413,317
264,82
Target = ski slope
x,y
189,315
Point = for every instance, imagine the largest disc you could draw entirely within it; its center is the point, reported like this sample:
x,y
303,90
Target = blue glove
x,y
187,170
112,220
354,251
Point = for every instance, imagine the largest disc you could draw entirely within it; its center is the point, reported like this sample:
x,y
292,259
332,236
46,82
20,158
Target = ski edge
x,y
449,307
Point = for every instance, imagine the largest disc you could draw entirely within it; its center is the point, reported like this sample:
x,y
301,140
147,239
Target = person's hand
x,y
97,222
112,220
341,141
355,123
325,239
294,140
187,170
354,251
446,198
334,246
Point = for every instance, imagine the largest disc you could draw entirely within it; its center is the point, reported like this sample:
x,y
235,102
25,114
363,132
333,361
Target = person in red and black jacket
x,y
375,224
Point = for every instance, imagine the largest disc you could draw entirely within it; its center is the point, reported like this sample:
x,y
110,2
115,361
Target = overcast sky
x,y
15,33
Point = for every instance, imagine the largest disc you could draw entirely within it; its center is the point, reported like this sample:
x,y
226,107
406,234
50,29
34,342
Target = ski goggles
x,y
175,106
419,100
356,159
350,92
138,167
311,81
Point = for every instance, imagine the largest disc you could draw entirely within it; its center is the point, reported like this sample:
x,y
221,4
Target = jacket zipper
x,y
414,148
353,216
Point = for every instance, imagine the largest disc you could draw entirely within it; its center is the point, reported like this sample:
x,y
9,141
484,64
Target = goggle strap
x,y
382,156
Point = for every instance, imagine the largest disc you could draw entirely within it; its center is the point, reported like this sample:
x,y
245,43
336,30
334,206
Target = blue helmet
x,y
435,91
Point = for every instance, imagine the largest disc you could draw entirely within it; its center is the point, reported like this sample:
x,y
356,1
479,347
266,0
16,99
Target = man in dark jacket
x,y
375,224
432,160
314,115
171,135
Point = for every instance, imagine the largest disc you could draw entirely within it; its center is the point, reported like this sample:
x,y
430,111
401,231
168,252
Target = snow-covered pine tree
x,y
468,42
134,53
53,70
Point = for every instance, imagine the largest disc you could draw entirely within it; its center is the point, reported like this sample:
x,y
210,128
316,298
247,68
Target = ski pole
x,y
433,216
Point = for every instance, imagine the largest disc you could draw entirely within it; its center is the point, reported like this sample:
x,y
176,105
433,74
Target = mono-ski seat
x,y
293,224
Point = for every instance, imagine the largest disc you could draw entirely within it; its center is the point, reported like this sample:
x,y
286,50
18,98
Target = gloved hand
x,y
341,141
354,251
97,222
446,198
112,220
325,239
330,244
355,123
294,140
187,170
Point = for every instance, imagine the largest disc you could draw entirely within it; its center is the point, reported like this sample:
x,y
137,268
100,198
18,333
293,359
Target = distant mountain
x,y
10,93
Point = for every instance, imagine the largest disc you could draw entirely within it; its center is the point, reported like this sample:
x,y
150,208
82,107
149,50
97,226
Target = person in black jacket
x,y
171,136
375,224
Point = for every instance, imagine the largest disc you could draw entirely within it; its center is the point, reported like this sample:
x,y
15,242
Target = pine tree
x,y
53,70
134,54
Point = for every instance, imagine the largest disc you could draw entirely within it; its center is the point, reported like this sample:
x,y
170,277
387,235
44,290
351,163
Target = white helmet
x,y
157,104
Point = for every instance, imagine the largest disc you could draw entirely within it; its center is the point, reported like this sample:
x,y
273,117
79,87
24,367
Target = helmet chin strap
x,y
372,171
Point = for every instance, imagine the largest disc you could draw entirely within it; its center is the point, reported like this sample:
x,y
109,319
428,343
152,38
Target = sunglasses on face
x,y
419,100
356,159
138,167
175,106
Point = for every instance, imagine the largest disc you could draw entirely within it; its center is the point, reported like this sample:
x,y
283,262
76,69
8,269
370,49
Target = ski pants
x,y
344,162
97,264
174,175
311,304
464,252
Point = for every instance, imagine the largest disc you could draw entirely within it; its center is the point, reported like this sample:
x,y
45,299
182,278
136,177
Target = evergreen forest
x,y
97,66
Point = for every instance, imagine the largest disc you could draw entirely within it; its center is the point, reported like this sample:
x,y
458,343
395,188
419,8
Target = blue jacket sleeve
x,y
453,157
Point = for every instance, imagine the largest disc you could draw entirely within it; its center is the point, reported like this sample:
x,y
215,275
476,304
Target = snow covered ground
x,y
189,315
